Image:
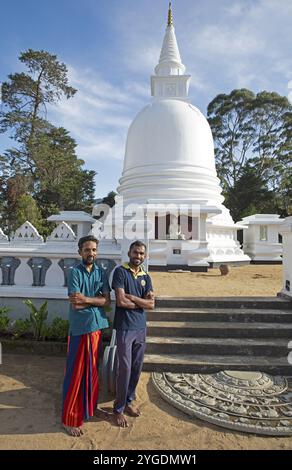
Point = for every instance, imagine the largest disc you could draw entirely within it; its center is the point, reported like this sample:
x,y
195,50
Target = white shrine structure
x,y
261,238
169,174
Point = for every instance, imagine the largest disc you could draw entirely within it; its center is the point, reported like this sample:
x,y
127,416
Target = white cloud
x,y
227,44
215,41
143,59
99,115
235,9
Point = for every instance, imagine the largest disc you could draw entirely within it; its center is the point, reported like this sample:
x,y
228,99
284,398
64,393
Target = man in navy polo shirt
x,y
134,292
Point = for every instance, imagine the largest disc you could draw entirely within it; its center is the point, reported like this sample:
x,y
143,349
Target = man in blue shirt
x,y
89,292
134,292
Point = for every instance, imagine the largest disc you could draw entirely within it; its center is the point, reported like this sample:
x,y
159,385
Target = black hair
x,y
137,243
88,238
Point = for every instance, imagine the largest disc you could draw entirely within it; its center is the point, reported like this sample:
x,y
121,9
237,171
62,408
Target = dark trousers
x,y
130,354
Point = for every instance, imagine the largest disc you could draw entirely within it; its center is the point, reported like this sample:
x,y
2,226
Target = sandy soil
x,y
30,407
253,280
30,388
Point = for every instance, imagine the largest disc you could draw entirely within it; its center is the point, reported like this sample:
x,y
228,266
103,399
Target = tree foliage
x,y
27,209
42,162
109,199
253,148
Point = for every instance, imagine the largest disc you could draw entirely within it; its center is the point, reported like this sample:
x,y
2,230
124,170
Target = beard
x,y
136,262
89,260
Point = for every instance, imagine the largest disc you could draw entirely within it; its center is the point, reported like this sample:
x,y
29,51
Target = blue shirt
x,y
90,284
135,284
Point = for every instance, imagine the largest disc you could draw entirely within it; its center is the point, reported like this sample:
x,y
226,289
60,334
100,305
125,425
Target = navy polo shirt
x,y
91,284
135,284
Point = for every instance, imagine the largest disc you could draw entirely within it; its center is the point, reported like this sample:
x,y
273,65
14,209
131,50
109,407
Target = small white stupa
x,y
169,170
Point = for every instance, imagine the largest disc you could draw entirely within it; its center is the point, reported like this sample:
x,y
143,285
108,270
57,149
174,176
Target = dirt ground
x,y
30,388
252,280
30,407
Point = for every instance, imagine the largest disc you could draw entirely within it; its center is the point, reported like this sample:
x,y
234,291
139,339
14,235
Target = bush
x,y
37,318
58,330
20,327
35,326
4,319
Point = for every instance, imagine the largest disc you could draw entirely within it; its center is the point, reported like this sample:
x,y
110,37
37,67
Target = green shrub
x,y
20,327
58,330
4,310
35,325
37,318
4,319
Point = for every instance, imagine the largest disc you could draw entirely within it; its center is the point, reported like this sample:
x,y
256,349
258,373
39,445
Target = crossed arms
x,y
131,301
79,301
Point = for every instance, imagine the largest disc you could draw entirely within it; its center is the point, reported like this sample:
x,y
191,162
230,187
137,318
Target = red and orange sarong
x,y
80,390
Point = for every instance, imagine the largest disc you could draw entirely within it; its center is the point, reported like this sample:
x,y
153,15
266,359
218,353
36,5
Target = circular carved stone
x,y
252,402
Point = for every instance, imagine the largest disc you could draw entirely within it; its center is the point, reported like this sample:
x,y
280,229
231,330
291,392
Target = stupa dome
x,y
170,154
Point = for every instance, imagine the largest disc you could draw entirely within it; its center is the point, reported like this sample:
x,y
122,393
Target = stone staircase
x,y
205,335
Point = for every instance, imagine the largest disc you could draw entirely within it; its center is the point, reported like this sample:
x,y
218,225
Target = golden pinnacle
x,y
169,19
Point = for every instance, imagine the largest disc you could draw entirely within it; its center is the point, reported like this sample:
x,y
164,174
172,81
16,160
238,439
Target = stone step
x,y
220,314
220,329
222,346
208,364
276,303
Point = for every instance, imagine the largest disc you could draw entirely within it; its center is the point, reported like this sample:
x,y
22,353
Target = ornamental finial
x,y
169,19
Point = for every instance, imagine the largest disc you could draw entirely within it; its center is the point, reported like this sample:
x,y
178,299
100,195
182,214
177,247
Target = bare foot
x,y
102,414
121,420
75,432
131,411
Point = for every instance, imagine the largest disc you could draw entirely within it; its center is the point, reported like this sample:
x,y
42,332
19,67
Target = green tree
x,y
109,199
44,158
24,99
272,114
62,182
252,136
249,194
233,132
13,188
27,209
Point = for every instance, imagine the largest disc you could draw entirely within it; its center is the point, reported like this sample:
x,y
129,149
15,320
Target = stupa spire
x,y
170,80
170,61
169,18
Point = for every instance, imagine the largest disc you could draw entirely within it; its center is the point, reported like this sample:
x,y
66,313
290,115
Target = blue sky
x,y
111,48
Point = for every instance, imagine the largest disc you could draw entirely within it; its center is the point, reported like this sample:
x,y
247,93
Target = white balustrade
x,y
33,268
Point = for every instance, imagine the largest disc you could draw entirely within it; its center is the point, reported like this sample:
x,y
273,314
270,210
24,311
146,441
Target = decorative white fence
x,y
33,268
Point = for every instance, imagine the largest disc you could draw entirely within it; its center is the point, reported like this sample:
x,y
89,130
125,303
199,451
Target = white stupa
x,y
169,160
